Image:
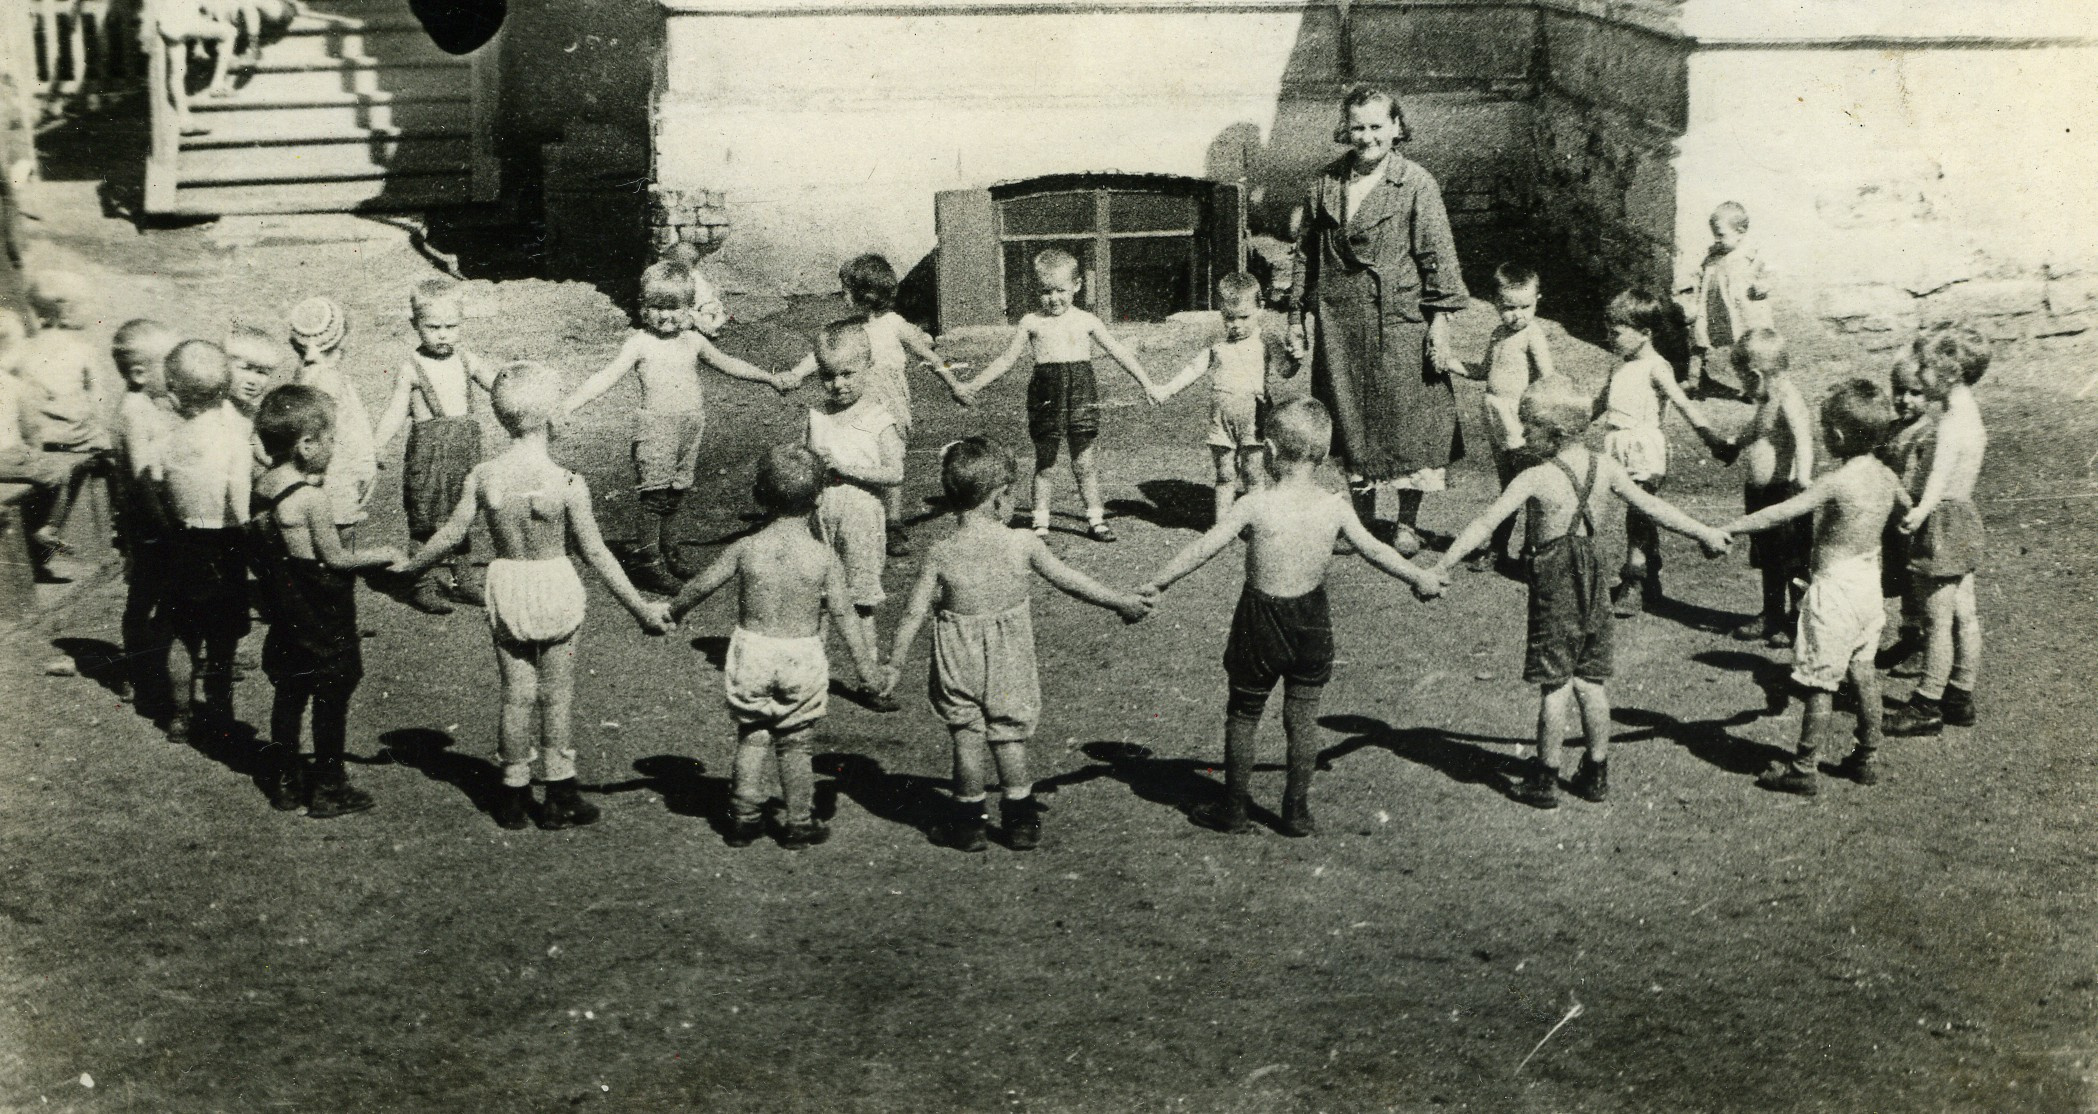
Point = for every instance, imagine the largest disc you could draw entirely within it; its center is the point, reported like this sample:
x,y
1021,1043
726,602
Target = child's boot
x,y
1795,777
808,833
1858,766
744,830
1540,787
283,777
565,807
1628,596
1592,781
1296,813
1023,823
1957,705
428,596
1227,816
964,831
333,795
1921,717
513,807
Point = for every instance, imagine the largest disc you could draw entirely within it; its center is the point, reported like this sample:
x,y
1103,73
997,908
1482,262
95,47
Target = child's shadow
x,y
912,800
683,785
714,648
1707,740
234,745
1773,677
1170,505
1457,756
1692,615
104,663
1178,783
429,753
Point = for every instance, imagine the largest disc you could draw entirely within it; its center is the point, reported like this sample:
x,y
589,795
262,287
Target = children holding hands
x,y
1240,367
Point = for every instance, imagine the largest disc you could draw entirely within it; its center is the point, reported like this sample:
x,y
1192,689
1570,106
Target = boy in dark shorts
x,y
1776,451
309,591
1282,630
204,471
1063,398
1568,656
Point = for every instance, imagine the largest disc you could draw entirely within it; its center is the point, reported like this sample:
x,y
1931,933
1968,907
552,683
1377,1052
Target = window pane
x,y
1021,294
1049,213
1150,212
1153,277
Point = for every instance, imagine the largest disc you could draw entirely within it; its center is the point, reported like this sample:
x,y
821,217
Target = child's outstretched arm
x,y
1426,583
598,384
707,583
914,614
729,365
1130,606
396,412
317,518
797,375
995,368
1799,506
919,343
1121,353
837,597
582,530
1199,552
1664,378
1663,511
451,533
1193,371
1479,529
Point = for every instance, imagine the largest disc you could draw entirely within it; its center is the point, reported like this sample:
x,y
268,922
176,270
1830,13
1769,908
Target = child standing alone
x,y
1517,355
777,675
1240,367
1063,398
1730,298
437,391
984,682
537,513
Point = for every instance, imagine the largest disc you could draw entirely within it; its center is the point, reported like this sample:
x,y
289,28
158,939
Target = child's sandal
x,y
1101,532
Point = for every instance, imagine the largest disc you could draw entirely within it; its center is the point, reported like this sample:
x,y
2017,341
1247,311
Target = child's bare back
x,y
526,504
1294,524
783,573
1852,516
982,569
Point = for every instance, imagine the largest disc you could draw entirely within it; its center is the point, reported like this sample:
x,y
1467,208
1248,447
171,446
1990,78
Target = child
x,y
55,475
1631,408
1517,355
1240,366
1945,535
667,426
870,286
144,416
862,453
1568,656
537,513
318,327
439,386
1841,615
1777,449
311,653
205,478
777,675
984,683
1906,452
1063,398
255,358
66,401
709,314
1281,630
1731,296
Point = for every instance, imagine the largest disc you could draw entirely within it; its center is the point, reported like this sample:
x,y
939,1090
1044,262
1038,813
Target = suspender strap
x,y
1581,490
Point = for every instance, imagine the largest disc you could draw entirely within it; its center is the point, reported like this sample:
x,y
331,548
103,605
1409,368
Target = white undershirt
x,y
1359,187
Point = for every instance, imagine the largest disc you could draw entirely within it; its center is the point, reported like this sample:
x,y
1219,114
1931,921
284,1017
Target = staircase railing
x,y
82,51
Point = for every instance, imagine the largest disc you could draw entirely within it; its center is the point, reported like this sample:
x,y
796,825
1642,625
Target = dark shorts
x,y
1063,400
1569,614
1279,639
206,594
1785,547
441,451
1894,579
1950,544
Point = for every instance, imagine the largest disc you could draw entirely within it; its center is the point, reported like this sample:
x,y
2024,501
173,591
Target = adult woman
x,y
1376,276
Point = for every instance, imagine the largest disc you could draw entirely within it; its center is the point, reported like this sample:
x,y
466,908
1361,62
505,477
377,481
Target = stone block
x,y
2065,325
1991,298
2071,293
1864,303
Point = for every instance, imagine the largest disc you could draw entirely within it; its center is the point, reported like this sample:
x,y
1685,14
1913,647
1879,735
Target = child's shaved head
x,y
1056,264
1855,418
789,480
140,349
57,295
259,347
1555,410
1302,432
973,469
527,397
432,292
666,285
843,345
1238,290
197,374
290,414
1763,352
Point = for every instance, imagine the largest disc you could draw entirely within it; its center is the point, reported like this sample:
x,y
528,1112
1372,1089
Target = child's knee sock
x,y
970,758
797,780
1300,722
747,798
1012,769
1409,508
1241,731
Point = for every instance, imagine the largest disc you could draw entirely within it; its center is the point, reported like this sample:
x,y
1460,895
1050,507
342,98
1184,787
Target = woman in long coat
x,y
1375,275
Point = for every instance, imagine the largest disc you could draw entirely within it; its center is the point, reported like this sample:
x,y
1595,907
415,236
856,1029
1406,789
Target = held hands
x,y
1715,542
1914,520
1133,607
886,678
655,618
390,556
1299,343
1433,583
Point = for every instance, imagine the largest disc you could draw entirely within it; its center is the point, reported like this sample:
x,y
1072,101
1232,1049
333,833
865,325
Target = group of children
x,y
218,476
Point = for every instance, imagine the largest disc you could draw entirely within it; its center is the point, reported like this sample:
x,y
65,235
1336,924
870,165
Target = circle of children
x,y
218,474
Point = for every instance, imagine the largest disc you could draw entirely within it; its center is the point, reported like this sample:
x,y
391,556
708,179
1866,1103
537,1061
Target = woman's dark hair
x,y
1359,95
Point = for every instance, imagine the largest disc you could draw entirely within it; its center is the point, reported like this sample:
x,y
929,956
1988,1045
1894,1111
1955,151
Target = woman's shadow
x,y
1461,757
429,752
912,800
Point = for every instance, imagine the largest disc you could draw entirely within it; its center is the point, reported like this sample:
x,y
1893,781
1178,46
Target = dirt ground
x,y
172,944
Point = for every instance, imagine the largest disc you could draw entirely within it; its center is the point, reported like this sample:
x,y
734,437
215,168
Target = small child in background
x,y
1730,298
1063,398
1569,652
55,475
1517,355
255,358
205,474
437,391
1906,452
870,286
1240,367
1946,540
777,675
68,402
984,682
1841,615
144,416
318,328
855,437
312,653
1631,409
1777,452
709,313
1282,630
667,356
533,508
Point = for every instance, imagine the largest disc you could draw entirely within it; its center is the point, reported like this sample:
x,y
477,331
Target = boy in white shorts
x,y
1840,617
777,676
1240,366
